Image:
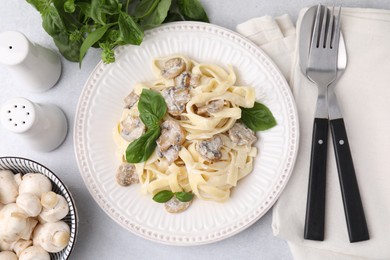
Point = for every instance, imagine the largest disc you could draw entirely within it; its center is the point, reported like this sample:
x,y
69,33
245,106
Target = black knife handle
x,y
353,208
315,206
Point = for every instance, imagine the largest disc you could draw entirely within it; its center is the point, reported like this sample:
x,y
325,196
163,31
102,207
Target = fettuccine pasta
x,y
203,102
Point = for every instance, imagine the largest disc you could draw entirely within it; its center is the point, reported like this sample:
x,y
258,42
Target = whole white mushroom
x,y
34,253
8,187
54,206
30,203
8,255
20,245
35,183
15,224
7,246
18,178
53,237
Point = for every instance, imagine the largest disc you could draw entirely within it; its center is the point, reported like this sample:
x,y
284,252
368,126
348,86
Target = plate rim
x,y
282,181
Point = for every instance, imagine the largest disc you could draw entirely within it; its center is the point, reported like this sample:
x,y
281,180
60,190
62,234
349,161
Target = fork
x,y
322,70
327,60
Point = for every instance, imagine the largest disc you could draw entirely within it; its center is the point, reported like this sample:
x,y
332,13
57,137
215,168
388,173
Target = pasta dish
x,y
202,145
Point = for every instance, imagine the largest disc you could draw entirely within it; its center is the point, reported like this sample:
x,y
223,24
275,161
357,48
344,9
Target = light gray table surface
x,y
100,237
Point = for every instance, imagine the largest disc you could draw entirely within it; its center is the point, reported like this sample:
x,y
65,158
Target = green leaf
x,y
108,54
40,5
85,9
96,12
193,10
157,16
258,118
144,8
163,196
69,6
142,148
184,196
152,107
173,17
91,39
130,31
55,27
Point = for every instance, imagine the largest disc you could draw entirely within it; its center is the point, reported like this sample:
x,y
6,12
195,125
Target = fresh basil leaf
x,y
173,17
96,12
193,10
144,8
157,16
184,196
130,32
55,27
258,118
142,148
40,5
91,39
163,196
152,107
111,7
85,9
69,6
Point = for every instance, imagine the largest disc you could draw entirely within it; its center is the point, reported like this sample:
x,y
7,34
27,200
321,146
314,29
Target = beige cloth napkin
x,y
364,96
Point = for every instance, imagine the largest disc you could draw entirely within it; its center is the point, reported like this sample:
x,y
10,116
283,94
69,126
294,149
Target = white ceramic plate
x,y
100,107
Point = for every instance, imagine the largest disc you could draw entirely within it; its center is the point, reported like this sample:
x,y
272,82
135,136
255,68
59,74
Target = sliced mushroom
x,y
8,187
210,149
34,253
172,68
53,237
30,203
126,174
8,255
35,183
213,106
131,99
170,141
183,81
171,154
176,99
176,206
240,134
132,128
54,206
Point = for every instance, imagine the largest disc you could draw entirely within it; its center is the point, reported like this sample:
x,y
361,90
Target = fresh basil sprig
x,y
152,108
165,195
77,25
258,117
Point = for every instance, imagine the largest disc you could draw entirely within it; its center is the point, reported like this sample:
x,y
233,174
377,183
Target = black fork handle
x,y
315,206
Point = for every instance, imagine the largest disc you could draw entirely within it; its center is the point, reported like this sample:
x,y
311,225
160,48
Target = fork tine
x,y
323,28
329,36
316,29
336,33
